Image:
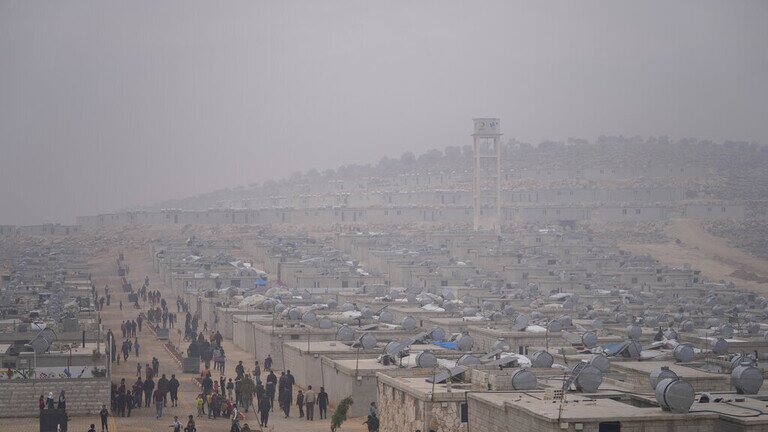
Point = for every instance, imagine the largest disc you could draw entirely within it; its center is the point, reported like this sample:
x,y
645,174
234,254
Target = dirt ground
x,y
710,254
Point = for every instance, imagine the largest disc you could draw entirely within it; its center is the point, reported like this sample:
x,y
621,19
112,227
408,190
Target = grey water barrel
x,y
740,359
409,323
367,341
465,342
566,321
601,362
589,339
386,317
634,332
325,323
426,359
332,304
554,326
366,313
662,373
309,318
469,312
501,344
674,394
719,345
683,353
294,314
542,359
467,360
345,334
726,331
523,379
437,334
347,307
597,324
687,326
746,378
589,380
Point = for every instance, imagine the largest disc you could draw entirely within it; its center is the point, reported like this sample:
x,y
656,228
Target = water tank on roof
x,y
753,328
712,322
675,395
566,321
345,334
280,308
726,331
366,313
601,362
554,326
589,380
347,307
309,318
468,360
508,310
409,323
437,334
536,315
501,344
719,345
671,334
738,359
632,350
683,353
426,359
746,378
386,317
294,314
597,324
367,341
523,379
521,321
425,301
657,375
325,323
620,317
465,342
332,304
687,326
589,339
542,359
634,332
488,305
469,312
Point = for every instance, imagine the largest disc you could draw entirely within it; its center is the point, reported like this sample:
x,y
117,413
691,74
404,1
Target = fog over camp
x,y
402,216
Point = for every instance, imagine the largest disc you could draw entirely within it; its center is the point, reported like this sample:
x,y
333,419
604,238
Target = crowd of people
x,y
220,398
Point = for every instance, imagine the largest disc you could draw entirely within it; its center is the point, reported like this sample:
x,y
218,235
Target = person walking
x,y
268,362
173,387
309,401
191,427
200,400
158,398
176,425
62,405
322,403
264,407
136,347
163,388
300,404
49,400
104,413
230,388
149,385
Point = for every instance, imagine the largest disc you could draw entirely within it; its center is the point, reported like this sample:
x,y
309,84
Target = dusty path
x,y
104,271
712,255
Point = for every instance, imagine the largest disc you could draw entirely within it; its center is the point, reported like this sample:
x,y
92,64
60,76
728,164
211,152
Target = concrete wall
x,y
18,398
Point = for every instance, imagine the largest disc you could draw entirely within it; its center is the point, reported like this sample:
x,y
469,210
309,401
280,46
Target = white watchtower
x,y
487,178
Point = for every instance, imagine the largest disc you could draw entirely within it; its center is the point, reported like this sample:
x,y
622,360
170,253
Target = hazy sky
x,y
111,104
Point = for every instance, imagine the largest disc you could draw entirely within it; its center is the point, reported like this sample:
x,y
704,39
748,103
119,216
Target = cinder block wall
x,y
18,398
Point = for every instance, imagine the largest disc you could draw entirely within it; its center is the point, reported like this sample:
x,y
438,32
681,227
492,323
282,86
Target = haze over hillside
x,y
109,105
